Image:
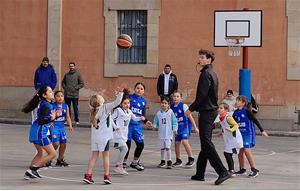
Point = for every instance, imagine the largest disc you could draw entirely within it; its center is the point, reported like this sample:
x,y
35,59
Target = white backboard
x,y
246,24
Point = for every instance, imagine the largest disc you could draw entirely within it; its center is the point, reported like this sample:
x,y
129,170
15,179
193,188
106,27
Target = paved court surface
x,y
278,159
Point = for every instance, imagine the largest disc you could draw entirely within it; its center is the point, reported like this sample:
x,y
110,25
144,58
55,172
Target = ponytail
x,y
34,102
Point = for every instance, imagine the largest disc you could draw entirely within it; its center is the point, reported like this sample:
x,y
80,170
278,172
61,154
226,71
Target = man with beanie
x,y
167,83
45,75
72,83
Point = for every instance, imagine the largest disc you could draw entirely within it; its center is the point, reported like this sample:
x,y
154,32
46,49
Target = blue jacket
x,y
45,77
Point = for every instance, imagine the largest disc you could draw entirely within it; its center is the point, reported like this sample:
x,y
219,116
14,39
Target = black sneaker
x,y
162,164
253,173
125,165
191,162
222,178
33,172
28,176
169,164
138,166
197,177
178,163
242,171
61,163
49,164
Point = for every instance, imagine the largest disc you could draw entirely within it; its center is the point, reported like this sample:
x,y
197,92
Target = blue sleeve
x,y
155,122
36,80
53,79
174,122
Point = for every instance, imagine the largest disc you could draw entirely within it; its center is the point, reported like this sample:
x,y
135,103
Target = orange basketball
x,y
124,41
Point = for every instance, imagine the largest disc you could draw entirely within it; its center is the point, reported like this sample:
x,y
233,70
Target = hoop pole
x,y
245,57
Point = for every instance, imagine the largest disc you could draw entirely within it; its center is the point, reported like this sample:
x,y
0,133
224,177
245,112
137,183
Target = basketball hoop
x,y
234,44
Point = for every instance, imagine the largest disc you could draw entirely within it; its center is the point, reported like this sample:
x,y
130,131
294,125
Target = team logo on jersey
x,y
139,105
243,115
179,111
143,103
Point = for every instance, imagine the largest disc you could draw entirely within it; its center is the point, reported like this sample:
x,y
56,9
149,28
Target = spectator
x,y
72,83
167,83
45,75
230,99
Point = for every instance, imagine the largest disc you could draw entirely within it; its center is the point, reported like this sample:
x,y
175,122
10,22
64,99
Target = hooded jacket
x,y
45,76
71,83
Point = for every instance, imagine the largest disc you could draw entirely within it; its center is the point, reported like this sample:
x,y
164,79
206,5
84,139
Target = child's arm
x,y
135,118
253,118
233,124
69,121
155,122
174,123
108,107
193,123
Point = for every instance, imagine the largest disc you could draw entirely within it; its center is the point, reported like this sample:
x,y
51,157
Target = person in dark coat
x,y
167,83
206,103
45,75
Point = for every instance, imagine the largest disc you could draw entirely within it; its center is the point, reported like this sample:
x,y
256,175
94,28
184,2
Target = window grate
x,y
133,23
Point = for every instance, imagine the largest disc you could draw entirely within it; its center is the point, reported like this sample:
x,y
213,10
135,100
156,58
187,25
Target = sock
x,y
169,157
162,154
135,161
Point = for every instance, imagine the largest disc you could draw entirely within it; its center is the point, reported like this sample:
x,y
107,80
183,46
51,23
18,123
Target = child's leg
x,y
51,155
55,145
169,156
162,154
187,147
241,158
61,152
38,156
177,149
229,160
92,162
128,143
105,156
250,157
123,150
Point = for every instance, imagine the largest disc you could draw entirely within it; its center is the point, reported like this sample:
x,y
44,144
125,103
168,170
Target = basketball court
x,y
277,158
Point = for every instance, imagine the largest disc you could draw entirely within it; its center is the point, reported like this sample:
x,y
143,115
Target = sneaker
x,y
107,179
232,173
120,170
138,166
162,164
242,171
124,165
77,122
178,163
197,177
33,172
61,163
49,164
88,178
28,176
253,173
222,178
191,162
169,164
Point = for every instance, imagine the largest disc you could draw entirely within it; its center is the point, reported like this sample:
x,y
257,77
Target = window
x,y
133,23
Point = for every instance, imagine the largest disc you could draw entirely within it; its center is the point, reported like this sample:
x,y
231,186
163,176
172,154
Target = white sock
x,y
169,154
162,154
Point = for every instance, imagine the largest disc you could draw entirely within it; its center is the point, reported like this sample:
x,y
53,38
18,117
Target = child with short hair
x,y
122,116
185,125
232,137
247,121
39,129
166,122
102,133
58,132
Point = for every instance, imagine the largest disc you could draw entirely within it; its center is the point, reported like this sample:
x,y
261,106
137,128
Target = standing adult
x,y
45,75
72,83
167,83
206,104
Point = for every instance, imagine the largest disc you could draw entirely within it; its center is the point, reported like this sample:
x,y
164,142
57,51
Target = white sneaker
x,y
120,170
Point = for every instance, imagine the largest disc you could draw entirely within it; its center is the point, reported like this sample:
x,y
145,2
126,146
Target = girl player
x,y
184,130
122,115
38,131
232,137
102,132
246,120
58,133
166,122
135,130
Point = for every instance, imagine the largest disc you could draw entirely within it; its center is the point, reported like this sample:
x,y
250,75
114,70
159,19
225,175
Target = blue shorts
x,y
42,142
249,141
183,136
58,135
136,133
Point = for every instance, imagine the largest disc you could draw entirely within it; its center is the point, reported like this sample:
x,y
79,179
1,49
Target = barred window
x,y
133,23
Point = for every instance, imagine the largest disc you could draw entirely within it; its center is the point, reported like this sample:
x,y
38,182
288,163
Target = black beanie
x,y
45,59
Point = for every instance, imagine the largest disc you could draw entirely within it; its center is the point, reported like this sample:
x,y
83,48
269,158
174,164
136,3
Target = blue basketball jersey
x,y
137,106
184,124
59,122
246,126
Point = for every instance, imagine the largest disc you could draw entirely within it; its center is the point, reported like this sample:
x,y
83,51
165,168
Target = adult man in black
x,y
167,83
206,104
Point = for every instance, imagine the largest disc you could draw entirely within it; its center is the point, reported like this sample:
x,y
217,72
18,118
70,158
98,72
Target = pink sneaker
x,y
120,170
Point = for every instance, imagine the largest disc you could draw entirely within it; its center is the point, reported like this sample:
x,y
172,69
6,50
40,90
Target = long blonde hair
x,y
95,102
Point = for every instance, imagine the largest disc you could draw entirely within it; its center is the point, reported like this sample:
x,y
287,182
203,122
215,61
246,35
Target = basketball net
x,y
234,44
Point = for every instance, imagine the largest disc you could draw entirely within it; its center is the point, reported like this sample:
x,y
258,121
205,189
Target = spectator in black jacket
x,y
167,83
206,103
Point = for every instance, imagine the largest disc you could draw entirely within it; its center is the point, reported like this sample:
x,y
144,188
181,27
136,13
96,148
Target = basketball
x,y
124,41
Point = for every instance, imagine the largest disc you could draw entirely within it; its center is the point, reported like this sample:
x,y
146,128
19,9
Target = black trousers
x,y
74,102
208,151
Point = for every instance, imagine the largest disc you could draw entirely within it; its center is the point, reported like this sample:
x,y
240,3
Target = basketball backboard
x,y
236,23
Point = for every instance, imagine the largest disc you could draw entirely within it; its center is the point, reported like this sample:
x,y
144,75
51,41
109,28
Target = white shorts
x,y
99,146
164,143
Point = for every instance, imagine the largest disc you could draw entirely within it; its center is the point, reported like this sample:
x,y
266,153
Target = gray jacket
x,y
71,84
